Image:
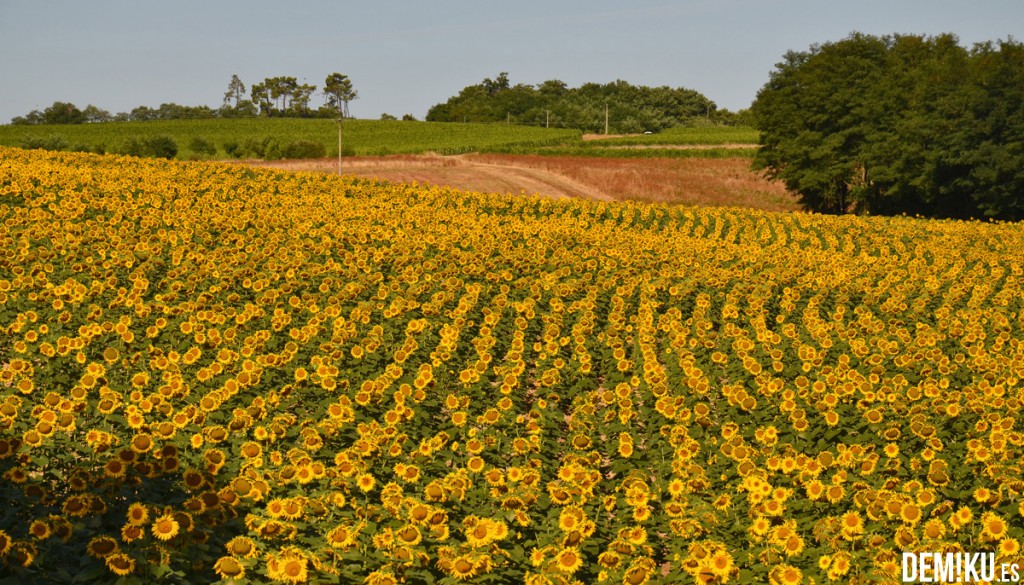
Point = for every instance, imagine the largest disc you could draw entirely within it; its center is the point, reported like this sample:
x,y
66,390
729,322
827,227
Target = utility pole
x,y
606,118
547,118
340,118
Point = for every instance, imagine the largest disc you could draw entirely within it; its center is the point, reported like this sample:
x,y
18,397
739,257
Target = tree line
x,y
627,108
898,124
274,96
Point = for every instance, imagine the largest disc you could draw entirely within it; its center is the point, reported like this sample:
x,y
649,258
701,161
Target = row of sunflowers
x,y
216,373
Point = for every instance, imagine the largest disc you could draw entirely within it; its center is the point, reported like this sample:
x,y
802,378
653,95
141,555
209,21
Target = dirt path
x,y
453,171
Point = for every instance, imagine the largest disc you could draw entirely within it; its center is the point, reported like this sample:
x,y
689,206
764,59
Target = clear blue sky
x,y
405,56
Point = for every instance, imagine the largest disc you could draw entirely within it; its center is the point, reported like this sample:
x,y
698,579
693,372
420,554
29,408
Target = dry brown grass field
x,y
681,181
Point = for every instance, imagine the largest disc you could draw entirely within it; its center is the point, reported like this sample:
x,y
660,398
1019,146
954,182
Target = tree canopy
x,y
281,96
338,92
898,124
552,103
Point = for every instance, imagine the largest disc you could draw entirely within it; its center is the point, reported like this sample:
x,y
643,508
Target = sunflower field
x,y
214,373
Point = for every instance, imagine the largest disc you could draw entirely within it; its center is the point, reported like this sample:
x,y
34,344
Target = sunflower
x,y
568,560
462,568
721,564
478,533
139,380
841,564
676,487
675,509
475,464
815,489
773,508
982,495
609,559
638,574
635,535
251,449
102,547
831,418
722,503
23,554
910,514
120,564
835,493
641,513
5,543
229,568
131,533
904,537
365,482
760,526
852,525
571,518
291,567
434,492
412,474
409,535
138,514
184,520
964,515
340,536
141,443
785,575
934,529
993,527
275,508
165,527
793,546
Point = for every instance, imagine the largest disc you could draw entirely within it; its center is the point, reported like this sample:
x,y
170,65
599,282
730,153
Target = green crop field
x,y
685,135
679,142
360,137
379,137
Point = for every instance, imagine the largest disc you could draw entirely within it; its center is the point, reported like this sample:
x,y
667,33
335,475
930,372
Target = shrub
x,y
272,150
202,146
304,149
266,148
51,142
161,146
132,147
157,146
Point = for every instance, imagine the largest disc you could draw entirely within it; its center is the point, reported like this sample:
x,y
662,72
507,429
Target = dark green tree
x,y
338,91
631,108
815,113
897,124
143,113
282,90
995,158
63,113
301,96
94,114
260,94
235,92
